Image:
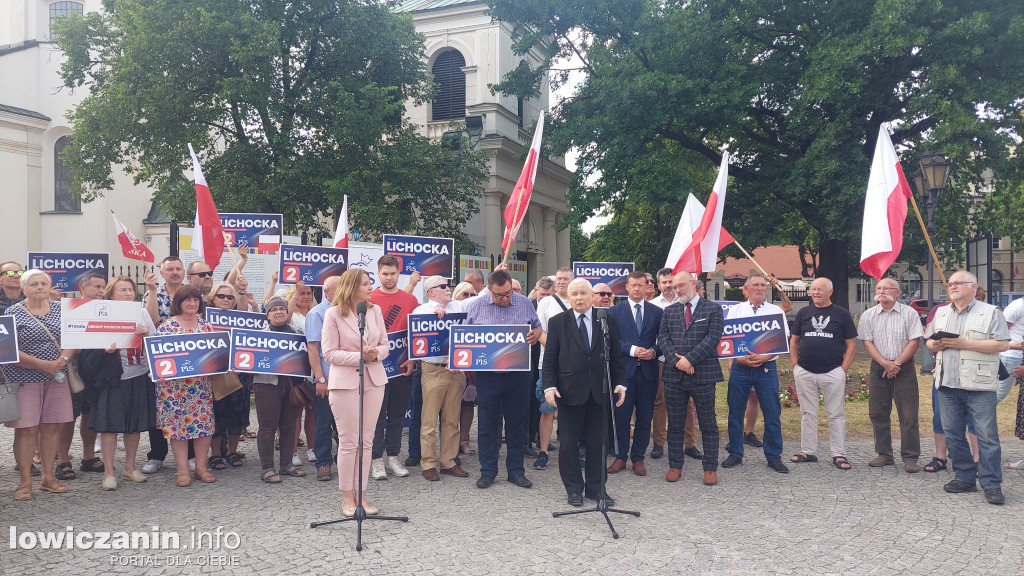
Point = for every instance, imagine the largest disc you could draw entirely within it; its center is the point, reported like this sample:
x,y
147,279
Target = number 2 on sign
x,y
419,347
725,348
291,274
166,368
463,358
243,360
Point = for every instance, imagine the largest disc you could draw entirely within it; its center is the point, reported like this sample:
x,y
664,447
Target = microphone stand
x,y
360,514
602,502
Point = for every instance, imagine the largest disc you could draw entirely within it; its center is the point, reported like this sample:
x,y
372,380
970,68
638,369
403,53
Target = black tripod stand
x,y
360,513
602,502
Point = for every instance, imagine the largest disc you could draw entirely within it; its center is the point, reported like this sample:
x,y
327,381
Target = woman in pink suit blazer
x,y
342,348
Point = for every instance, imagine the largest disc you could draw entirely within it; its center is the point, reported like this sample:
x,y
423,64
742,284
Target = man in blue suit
x,y
638,322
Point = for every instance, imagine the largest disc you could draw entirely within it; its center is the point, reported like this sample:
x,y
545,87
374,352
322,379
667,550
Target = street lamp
x,y
930,180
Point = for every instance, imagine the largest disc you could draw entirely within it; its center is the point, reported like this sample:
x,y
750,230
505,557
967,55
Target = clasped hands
x,y
552,393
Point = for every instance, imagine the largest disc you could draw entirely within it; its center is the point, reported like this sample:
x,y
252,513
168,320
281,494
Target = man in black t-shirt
x,y
822,347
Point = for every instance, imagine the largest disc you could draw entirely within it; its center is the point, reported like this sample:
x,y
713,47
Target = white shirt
x,y
1014,313
589,323
745,310
661,302
632,312
547,309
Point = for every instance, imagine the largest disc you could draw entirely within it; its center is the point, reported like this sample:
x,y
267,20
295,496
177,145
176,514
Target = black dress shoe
x,y
608,499
777,465
485,482
520,480
575,499
693,452
657,452
751,440
412,461
731,461
552,447
530,451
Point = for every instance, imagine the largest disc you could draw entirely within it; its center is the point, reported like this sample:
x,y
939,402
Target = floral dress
x,y
184,405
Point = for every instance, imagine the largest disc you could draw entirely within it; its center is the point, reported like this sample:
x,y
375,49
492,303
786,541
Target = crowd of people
x,y
663,370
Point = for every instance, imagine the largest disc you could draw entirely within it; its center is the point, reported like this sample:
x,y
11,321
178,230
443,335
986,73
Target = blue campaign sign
x,y
244,228
611,273
266,352
67,268
428,256
8,340
187,355
757,334
725,304
311,264
398,346
489,348
428,334
225,320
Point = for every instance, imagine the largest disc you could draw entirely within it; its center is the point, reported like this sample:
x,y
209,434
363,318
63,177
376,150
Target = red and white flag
x,y
341,234
131,246
701,253
208,236
515,211
885,209
268,244
689,221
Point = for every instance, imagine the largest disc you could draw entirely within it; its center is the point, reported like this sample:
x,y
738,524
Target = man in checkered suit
x,y
689,335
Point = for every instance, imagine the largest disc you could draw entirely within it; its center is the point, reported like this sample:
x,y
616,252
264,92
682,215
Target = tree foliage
x,y
797,90
290,106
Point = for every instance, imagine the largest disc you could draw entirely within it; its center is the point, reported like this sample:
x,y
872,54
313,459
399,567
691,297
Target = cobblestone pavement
x,y
815,520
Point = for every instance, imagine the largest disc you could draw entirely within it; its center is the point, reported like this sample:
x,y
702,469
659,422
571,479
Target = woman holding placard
x,y
230,413
185,405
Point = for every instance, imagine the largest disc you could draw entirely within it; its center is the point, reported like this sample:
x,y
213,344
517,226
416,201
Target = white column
x,y
550,262
564,256
493,221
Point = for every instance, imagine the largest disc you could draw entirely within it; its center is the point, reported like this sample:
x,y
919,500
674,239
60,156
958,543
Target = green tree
x,y
796,89
290,105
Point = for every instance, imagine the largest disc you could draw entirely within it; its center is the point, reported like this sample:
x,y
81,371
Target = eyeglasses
x,y
605,294
497,295
14,273
439,286
467,295
225,296
958,284
276,309
202,274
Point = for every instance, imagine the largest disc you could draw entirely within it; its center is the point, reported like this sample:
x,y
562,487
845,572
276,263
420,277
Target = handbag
x,y
224,384
302,392
75,382
9,411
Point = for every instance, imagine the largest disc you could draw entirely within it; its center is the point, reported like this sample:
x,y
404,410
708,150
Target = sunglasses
x,y
14,273
605,294
202,274
467,295
225,296
439,286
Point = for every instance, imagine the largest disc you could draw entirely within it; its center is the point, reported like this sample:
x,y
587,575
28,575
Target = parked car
x,y
921,304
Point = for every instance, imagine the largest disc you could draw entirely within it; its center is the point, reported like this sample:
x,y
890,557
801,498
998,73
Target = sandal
x,y
54,487
250,434
184,479
803,457
465,449
65,471
235,460
217,463
295,471
23,492
91,465
841,463
935,465
205,476
270,476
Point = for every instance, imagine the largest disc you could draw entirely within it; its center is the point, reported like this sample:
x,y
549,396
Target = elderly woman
x,y
463,292
300,302
231,413
185,405
127,400
43,396
343,348
274,409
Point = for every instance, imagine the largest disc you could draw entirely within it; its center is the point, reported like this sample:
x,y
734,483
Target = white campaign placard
x,y
95,324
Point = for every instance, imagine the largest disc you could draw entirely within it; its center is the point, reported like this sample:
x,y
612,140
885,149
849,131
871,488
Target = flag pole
x,y
766,274
519,201
928,239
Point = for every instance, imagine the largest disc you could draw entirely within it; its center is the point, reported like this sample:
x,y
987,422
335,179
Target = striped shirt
x,y
890,330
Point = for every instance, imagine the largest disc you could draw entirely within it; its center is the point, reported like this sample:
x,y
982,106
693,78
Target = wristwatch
x,y
321,380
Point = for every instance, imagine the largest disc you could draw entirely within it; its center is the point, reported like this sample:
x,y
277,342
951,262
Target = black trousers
x,y
388,435
587,421
158,446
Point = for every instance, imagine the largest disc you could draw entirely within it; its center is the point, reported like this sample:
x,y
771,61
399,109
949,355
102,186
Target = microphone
x,y
602,316
361,310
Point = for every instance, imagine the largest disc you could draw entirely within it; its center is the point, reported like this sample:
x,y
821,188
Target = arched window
x,y
451,86
61,10
63,201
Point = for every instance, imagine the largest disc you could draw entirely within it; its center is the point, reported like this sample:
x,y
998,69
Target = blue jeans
x,y
1005,386
639,395
502,396
937,415
322,441
415,406
956,406
765,383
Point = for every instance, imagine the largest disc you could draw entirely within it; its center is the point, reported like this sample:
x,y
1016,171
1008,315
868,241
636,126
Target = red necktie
x,y
689,314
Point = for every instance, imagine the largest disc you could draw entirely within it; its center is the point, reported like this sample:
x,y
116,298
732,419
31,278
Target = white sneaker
x,y
96,447
1018,465
377,471
395,467
191,464
310,456
152,466
296,461
120,442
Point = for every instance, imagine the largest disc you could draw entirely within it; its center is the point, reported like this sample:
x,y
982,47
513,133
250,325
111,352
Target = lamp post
x,y
930,180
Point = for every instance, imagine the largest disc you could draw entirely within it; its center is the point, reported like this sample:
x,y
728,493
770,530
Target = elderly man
x,y
547,308
891,332
822,347
757,373
603,296
967,337
503,395
688,337
323,417
650,290
516,286
574,381
476,278
200,275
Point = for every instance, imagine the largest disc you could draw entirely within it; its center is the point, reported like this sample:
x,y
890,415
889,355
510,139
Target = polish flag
x,y
208,236
885,209
701,253
131,246
515,210
689,221
341,234
268,244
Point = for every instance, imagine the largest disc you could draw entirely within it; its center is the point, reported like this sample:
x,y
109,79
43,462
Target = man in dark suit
x,y
638,322
689,335
574,374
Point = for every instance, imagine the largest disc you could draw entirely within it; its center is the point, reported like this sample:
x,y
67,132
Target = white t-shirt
x,y
547,309
1014,313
